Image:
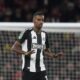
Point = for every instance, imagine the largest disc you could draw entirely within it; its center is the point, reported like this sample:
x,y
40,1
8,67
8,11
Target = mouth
x,y
41,24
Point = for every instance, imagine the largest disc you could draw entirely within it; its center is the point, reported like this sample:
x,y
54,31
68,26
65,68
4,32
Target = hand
x,y
55,56
29,52
51,55
59,55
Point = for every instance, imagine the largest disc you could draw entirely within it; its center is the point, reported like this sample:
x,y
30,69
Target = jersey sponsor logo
x,y
34,37
37,46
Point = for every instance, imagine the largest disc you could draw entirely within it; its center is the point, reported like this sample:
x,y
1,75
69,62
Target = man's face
x,y
38,21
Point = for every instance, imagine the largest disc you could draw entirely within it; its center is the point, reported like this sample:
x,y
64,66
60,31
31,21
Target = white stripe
x,y
23,61
24,48
41,54
33,56
42,66
46,77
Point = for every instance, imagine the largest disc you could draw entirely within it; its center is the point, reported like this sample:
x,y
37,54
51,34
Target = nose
x,y
41,23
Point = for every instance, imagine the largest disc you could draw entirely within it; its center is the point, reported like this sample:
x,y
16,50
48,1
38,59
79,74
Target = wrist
x,y
52,56
25,53
55,56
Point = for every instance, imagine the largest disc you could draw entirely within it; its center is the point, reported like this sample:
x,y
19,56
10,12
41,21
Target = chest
x,y
37,40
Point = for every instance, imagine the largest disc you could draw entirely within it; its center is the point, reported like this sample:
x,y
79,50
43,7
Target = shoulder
x,y
44,32
24,32
28,30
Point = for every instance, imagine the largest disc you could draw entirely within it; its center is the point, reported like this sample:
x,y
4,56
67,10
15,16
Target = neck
x,y
37,30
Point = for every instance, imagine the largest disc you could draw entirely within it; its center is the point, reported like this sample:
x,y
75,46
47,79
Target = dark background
x,y
55,10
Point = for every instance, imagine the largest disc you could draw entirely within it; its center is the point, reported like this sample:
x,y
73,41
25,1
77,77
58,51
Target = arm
x,y
52,55
60,55
17,48
17,45
59,50
49,53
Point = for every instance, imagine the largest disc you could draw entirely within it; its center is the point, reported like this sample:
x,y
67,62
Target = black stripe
x,y
39,41
27,58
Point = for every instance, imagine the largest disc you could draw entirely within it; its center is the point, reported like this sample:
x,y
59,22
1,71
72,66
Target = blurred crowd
x,y
55,10
68,66
64,68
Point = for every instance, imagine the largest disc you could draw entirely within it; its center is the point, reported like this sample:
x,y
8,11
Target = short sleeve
x,y
22,36
47,42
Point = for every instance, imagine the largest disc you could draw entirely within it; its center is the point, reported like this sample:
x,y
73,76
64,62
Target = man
x,y
34,43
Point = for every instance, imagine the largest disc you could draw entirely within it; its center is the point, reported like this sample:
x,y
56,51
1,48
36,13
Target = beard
x,y
39,26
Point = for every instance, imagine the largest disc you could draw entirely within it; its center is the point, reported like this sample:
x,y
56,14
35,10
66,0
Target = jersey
x,y
30,40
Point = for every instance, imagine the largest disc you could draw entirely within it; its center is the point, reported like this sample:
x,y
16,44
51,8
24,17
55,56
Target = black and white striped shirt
x,y
31,40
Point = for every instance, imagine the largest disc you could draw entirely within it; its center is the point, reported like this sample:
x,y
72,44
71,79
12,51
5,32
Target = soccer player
x,y
33,45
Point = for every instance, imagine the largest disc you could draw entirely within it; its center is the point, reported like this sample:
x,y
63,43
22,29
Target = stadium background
x,y
67,68
55,10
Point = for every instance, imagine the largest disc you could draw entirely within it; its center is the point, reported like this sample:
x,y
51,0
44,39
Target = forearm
x,y
49,53
18,51
60,54
17,48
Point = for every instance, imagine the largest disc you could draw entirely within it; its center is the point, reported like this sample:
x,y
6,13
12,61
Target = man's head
x,y
38,19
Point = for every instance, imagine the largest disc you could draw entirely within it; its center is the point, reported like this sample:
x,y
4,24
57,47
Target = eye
x,y
39,19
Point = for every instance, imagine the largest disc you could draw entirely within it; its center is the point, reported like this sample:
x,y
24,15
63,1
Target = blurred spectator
x,y
32,4
57,47
1,78
69,41
77,18
55,14
9,3
77,2
17,16
68,11
7,70
67,79
56,77
2,9
18,3
70,66
26,7
56,10
17,76
28,17
7,15
2,5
